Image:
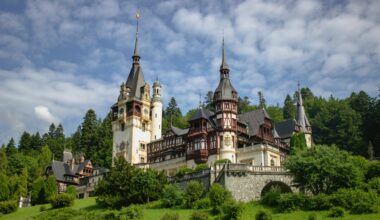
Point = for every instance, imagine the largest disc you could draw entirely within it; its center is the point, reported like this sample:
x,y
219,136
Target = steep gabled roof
x,y
254,119
135,81
201,113
286,128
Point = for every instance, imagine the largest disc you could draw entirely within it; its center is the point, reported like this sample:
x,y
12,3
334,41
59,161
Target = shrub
x,y
113,202
263,215
133,212
62,200
65,213
199,216
336,212
183,170
291,201
170,216
218,196
317,202
222,161
201,166
108,216
373,170
171,196
374,184
71,190
271,198
356,200
202,203
312,216
194,192
42,208
232,210
7,207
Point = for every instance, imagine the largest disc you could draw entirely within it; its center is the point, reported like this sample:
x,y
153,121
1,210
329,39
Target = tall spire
x,y
136,56
301,116
224,65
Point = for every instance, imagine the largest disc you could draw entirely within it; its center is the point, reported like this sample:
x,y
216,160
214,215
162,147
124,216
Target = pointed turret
x,y
136,56
136,79
224,65
225,90
301,116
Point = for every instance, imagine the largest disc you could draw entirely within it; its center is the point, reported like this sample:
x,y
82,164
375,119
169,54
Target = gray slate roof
x,y
254,119
224,90
179,131
60,169
285,128
135,81
67,155
202,113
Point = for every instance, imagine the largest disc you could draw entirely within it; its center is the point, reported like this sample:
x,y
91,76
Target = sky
x,y
60,58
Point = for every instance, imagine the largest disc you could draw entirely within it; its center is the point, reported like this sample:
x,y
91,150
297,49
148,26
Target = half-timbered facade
x,y
251,137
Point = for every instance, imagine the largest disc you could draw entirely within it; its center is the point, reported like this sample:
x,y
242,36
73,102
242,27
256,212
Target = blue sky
x,y
60,58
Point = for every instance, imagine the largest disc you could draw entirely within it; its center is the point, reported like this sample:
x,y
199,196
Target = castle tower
x,y
156,111
131,124
302,119
225,99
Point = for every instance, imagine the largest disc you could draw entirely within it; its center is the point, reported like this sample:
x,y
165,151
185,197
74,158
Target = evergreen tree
x,y
209,101
55,139
289,110
25,143
19,184
244,105
275,113
173,116
3,160
11,148
262,102
88,141
36,141
44,159
74,141
50,188
103,155
37,192
4,190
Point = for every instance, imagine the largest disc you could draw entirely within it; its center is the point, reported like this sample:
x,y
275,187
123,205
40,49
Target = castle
x,y
249,138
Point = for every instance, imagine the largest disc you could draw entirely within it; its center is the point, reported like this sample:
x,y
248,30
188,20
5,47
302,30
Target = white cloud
x,y
44,114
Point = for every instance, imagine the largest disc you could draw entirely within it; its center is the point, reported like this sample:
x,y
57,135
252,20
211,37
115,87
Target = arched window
x,y
272,162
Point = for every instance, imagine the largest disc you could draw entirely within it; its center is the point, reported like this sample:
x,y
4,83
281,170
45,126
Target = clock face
x,y
146,111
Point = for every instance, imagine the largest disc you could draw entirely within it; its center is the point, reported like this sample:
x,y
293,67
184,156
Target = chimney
x,y
81,160
71,163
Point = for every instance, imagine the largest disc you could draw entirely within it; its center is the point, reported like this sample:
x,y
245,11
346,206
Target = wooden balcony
x,y
201,156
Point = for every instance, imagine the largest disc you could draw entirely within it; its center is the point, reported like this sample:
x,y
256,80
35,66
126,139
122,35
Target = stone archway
x,y
283,187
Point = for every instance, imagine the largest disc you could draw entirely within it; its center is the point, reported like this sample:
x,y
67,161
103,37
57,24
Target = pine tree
x,y
103,155
36,141
55,139
37,193
25,143
4,190
11,148
209,101
289,110
3,160
50,188
262,102
44,158
88,138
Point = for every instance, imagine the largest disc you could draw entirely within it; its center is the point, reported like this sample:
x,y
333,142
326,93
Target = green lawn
x,y
250,209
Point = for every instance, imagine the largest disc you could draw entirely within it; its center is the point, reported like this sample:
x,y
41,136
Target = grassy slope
x,y
152,213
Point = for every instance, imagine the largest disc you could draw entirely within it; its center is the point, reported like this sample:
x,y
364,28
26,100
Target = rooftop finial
x,y
200,99
136,56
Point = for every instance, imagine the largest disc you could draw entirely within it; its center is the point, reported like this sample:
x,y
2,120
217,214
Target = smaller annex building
x,y
81,174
